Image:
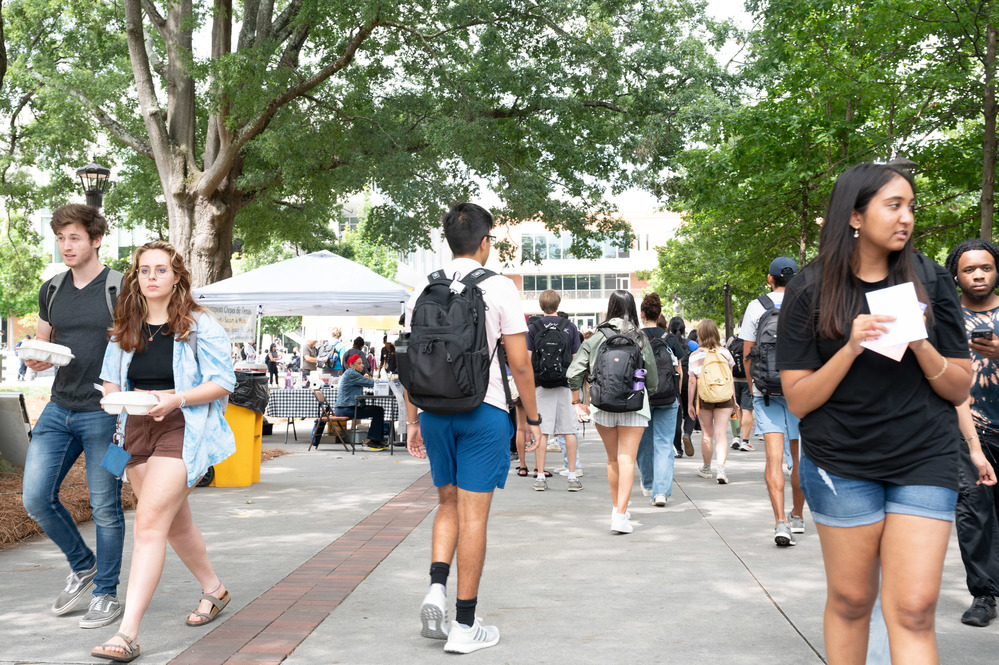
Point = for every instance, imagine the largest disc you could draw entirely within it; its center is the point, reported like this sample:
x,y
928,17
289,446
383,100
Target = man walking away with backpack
x,y
743,396
552,341
773,419
468,449
655,451
75,311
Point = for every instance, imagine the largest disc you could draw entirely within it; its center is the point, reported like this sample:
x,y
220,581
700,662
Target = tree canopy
x,y
827,84
296,105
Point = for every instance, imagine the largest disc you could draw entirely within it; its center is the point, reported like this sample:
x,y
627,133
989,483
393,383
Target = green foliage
x,y
827,84
275,326
20,267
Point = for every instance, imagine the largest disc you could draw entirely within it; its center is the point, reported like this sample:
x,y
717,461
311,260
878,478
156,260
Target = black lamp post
x,y
94,180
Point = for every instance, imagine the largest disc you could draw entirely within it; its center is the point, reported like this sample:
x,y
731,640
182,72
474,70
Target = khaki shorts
x,y
558,415
145,438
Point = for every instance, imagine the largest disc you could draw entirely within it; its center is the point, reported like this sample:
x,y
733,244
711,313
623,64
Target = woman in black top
x,y
880,436
272,363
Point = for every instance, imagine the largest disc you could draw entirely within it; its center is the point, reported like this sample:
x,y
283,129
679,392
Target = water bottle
x,y
639,382
287,380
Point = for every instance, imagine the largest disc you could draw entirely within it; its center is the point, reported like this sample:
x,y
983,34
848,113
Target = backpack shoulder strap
x,y
476,276
563,324
766,301
54,285
927,273
112,287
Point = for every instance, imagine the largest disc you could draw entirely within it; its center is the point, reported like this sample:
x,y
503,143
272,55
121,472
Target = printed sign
x,y
239,322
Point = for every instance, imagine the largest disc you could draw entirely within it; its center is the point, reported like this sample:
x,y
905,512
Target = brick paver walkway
x,y
273,625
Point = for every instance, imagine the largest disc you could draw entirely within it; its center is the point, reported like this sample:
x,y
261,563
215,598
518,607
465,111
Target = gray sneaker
x,y
575,485
782,535
797,523
77,584
540,485
704,471
103,610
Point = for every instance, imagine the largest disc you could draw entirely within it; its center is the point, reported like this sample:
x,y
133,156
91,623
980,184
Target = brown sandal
x,y
130,650
218,605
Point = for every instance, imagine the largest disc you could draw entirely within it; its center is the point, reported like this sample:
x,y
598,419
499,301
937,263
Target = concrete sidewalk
x,y
327,560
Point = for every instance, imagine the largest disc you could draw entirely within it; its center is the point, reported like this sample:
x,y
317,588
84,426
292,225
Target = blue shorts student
x,y
470,450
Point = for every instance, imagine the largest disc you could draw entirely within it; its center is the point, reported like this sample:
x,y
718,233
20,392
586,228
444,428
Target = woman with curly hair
x,y
163,343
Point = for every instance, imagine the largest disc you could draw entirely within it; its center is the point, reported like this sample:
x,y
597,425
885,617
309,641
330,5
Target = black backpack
x,y
552,353
668,388
444,360
614,372
735,347
763,355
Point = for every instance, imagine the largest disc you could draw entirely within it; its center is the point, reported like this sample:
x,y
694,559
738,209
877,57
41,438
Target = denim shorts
x,y
743,395
775,418
838,501
470,450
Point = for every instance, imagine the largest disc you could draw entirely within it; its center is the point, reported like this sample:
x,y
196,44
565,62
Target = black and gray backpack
x,y
551,354
614,373
444,360
763,355
666,363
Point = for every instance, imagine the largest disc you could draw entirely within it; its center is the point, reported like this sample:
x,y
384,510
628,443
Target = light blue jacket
x,y
208,439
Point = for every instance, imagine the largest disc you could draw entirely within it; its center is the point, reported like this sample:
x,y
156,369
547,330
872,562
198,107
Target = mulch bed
x,y
15,525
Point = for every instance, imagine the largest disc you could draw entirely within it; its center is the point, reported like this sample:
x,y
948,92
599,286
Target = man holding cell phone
x,y
973,265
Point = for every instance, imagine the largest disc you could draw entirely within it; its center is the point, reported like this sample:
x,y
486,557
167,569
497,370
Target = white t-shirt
x,y
696,361
504,316
751,318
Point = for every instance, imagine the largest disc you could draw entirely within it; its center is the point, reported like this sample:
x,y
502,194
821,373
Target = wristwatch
x,y
534,422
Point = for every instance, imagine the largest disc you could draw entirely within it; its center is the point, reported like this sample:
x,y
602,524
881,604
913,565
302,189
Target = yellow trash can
x,y
242,469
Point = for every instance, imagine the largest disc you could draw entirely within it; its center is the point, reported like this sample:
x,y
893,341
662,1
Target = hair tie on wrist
x,y
940,373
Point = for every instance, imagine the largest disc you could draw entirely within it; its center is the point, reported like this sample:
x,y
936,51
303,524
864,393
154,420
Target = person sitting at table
x,y
352,383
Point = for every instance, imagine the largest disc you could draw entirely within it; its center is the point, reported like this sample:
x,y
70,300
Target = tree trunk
x,y
989,141
803,231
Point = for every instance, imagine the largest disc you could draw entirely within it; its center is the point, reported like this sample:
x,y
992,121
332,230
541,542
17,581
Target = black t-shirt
x,y
388,359
883,422
80,320
153,368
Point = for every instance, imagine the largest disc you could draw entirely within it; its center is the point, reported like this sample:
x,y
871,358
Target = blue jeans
x,y
57,441
655,452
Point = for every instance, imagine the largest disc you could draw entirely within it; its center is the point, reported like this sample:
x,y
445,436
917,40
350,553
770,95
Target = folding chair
x,y
328,420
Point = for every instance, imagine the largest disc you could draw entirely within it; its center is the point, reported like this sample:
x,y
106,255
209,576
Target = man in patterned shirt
x,y
973,265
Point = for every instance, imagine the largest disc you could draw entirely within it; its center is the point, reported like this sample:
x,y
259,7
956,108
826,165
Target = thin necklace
x,y
153,334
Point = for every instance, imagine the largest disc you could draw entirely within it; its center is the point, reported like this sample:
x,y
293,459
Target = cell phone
x,y
982,332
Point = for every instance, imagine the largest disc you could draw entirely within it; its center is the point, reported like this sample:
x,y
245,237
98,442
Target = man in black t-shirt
x,y
76,315
973,265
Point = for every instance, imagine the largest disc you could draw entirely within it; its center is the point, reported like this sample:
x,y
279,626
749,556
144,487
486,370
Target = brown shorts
x,y
711,406
145,438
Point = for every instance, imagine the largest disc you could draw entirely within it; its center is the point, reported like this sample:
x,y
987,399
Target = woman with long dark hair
x,y
880,436
272,359
163,343
620,432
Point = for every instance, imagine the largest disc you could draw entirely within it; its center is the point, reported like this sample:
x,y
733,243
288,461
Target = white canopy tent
x,y
320,283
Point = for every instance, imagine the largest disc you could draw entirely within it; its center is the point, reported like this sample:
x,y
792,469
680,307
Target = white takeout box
x,y
134,402
45,352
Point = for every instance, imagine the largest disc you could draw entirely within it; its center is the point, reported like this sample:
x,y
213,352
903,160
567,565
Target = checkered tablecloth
x,y
301,403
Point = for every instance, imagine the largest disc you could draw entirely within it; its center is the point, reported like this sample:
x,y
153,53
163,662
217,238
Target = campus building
x,y
585,284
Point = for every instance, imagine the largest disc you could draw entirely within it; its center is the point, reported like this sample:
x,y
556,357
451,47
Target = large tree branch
x,y
115,128
214,176
155,18
152,116
284,23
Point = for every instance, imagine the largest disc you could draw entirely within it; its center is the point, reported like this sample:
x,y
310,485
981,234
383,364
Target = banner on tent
x,y
239,322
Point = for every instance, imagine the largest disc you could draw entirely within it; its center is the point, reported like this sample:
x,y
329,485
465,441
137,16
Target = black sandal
x,y
548,474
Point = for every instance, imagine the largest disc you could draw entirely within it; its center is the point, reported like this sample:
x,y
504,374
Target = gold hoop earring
x,y
856,233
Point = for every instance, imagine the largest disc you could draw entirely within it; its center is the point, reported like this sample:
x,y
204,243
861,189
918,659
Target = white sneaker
x,y
722,477
659,500
646,492
704,472
466,639
562,471
552,448
736,443
620,523
433,614
626,514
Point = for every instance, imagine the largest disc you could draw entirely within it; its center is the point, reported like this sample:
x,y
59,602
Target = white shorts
x,y
558,415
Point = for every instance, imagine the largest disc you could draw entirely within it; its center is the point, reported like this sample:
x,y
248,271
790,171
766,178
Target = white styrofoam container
x,y
134,402
45,352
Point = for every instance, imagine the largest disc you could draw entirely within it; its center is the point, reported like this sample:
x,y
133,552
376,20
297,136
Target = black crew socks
x,y
439,572
465,611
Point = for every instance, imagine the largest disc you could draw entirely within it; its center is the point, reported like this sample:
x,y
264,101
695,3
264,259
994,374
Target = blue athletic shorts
x,y
470,450
838,501
775,418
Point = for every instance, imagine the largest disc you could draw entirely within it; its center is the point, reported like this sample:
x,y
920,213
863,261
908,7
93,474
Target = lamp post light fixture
x,y
94,179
